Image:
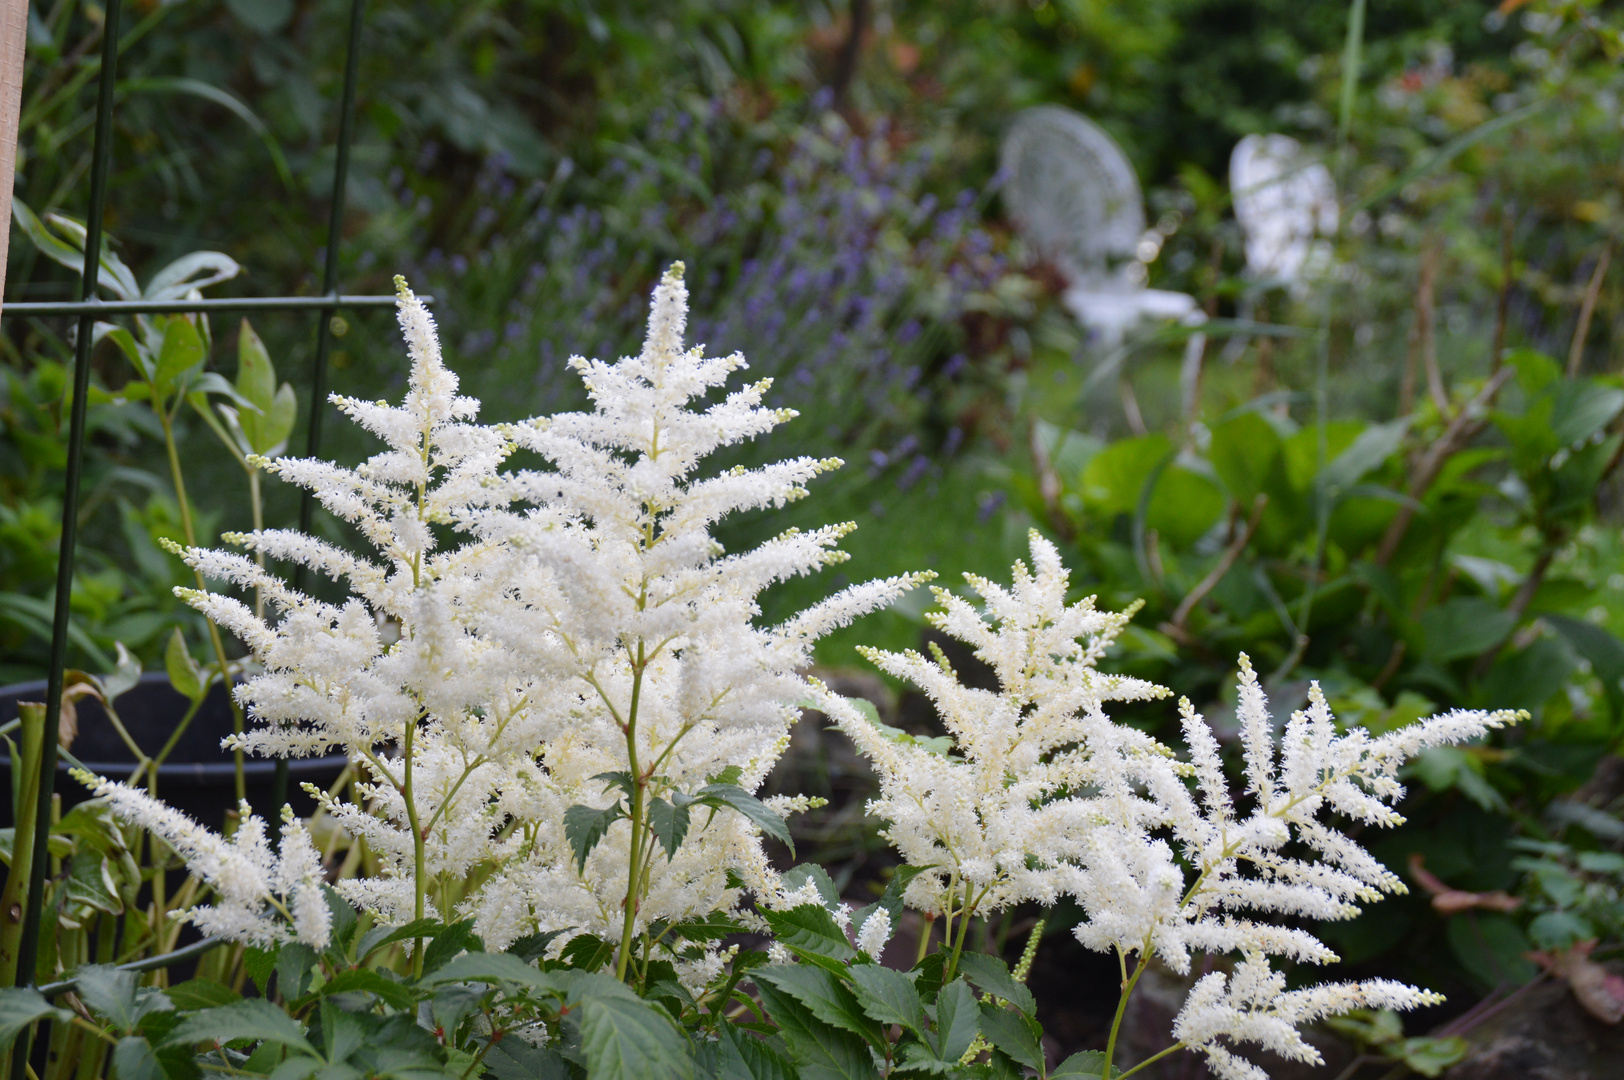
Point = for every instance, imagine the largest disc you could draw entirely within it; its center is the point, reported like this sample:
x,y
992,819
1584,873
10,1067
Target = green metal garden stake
x,y
101,153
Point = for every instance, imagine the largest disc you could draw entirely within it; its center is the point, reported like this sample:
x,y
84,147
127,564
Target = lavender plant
x,y
561,698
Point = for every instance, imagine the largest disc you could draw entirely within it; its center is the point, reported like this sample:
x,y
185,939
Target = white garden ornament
x,y
1075,199
1286,204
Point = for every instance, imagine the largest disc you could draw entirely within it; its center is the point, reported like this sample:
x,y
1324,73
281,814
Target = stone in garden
x,y
1075,199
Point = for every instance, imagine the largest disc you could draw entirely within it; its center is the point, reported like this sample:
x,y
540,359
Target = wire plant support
x,y
87,309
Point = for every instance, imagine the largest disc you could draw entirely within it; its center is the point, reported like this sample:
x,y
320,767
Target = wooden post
x,y
13,35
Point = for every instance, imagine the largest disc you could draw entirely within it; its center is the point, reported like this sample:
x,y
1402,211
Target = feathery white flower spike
x,y
502,624
1042,795
263,898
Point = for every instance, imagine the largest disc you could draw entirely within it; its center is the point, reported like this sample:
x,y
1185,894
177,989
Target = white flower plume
x,y
509,629
1042,795
264,897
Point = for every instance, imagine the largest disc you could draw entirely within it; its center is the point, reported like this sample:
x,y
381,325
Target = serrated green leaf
x,y
751,807
111,994
360,980
992,975
624,1038
252,1018
958,1019
670,825
588,953
1014,1034
820,1051
454,939
1087,1065
515,1059
585,826
497,968
133,1059
294,963
382,936
810,932
821,992
888,996
194,994
21,1007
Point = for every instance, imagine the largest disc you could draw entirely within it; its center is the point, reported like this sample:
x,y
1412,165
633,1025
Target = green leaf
x,y
1582,408
796,877
362,981
1184,506
21,1007
184,673
380,937
454,939
1559,929
294,964
1491,947
181,351
1464,626
90,883
587,953
133,1059
670,825
1374,445
1245,451
751,807
585,826
737,1055
131,350
194,994
1114,478
958,1019
992,975
810,932
515,1059
1431,1056
1014,1034
499,969
822,993
623,1038
182,276
111,994
821,1052
252,1018
1086,1065
113,275
888,996
260,965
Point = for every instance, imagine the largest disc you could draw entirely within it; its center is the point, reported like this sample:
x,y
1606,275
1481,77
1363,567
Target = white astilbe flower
x,y
982,819
874,933
264,897
512,636
1253,1005
1042,795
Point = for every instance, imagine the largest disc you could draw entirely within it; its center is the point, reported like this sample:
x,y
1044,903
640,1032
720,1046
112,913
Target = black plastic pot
x,y
199,777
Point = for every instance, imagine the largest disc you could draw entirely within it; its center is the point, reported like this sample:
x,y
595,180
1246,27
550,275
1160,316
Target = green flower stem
x,y
419,860
1175,1048
1122,1009
167,420
639,813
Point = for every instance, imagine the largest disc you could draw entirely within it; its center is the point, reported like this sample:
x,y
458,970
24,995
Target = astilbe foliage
x,y
518,643
1043,795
